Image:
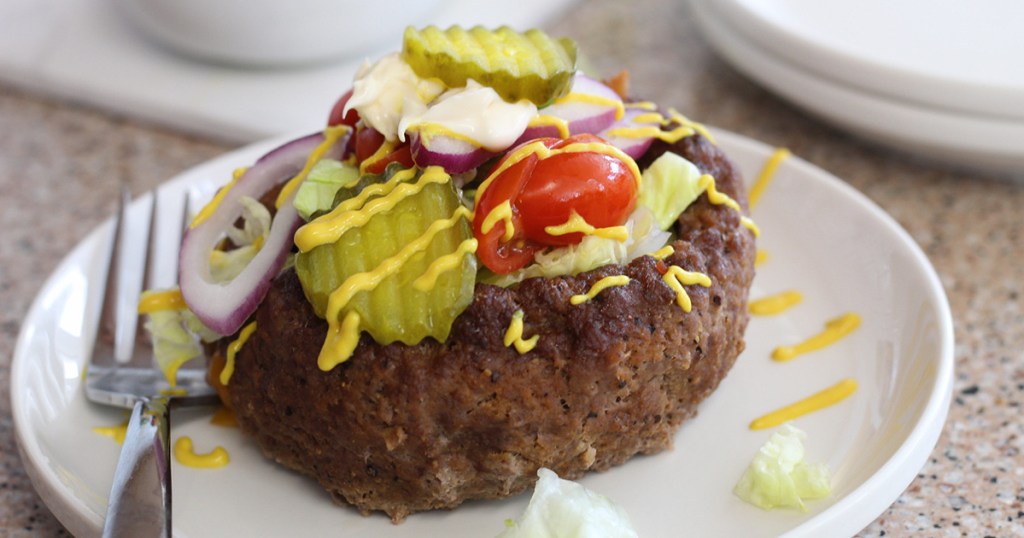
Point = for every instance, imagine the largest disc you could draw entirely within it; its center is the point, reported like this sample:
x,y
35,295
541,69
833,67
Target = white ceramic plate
x,y
945,54
960,138
822,238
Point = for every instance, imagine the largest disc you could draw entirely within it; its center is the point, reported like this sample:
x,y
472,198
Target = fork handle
x,y
140,497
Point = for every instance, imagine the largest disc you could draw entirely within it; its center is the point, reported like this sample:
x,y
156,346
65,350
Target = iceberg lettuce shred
x,y
668,187
317,192
778,476
564,509
177,338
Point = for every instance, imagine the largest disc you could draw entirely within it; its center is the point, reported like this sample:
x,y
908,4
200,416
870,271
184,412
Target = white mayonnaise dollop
x,y
385,91
475,113
393,99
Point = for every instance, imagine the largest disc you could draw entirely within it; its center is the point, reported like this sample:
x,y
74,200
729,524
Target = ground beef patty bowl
x,y
401,428
530,350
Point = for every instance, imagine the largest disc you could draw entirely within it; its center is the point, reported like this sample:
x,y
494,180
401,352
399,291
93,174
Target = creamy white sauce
x,y
474,112
385,91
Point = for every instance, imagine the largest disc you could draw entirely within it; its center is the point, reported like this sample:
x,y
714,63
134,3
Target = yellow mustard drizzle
x,y
643,105
707,183
233,349
576,224
698,127
383,151
427,131
185,454
584,98
834,330
760,258
543,152
172,376
748,223
775,304
598,287
766,175
341,341
558,123
442,264
663,252
501,213
652,131
514,334
117,433
676,277
331,136
830,396
649,117
158,301
211,207
330,227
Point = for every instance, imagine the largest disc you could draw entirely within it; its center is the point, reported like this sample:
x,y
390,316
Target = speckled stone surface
x,y
60,165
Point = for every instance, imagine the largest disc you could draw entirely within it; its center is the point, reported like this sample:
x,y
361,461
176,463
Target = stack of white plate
x,y
941,78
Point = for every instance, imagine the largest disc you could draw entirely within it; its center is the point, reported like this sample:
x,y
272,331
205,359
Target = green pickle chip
x,y
517,65
396,309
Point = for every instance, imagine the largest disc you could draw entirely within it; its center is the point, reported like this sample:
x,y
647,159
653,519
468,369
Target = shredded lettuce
x,y
778,476
177,338
317,191
226,265
668,187
593,252
564,509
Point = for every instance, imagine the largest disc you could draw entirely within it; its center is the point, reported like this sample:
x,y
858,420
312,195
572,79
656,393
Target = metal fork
x,y
122,373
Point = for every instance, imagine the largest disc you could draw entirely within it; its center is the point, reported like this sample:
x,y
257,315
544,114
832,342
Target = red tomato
x,y
402,154
598,186
336,117
369,140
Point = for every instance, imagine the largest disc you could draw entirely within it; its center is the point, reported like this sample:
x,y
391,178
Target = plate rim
x,y
869,114
914,448
871,73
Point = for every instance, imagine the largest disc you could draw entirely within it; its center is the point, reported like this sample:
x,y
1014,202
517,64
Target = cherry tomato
x,y
336,117
597,185
369,140
402,154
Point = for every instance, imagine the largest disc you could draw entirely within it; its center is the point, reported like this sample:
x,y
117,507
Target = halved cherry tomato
x,y
369,140
337,117
597,185
402,154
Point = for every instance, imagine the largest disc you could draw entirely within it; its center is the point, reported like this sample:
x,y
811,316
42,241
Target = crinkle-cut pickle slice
x,y
394,309
517,65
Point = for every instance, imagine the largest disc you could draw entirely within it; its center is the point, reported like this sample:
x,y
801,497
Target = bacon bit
x,y
619,83
661,267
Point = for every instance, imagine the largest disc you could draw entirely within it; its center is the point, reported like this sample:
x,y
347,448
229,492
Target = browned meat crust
x,y
407,428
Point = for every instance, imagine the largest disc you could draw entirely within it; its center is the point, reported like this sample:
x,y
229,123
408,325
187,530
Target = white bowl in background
x,y
274,33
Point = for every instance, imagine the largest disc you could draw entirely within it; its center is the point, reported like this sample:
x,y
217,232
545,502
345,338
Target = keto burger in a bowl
x,y
486,264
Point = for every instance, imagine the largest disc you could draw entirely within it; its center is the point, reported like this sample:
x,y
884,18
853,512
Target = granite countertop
x,y
60,165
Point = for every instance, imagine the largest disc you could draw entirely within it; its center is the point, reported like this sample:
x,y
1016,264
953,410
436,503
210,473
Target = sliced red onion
x,y
224,306
454,155
582,117
634,146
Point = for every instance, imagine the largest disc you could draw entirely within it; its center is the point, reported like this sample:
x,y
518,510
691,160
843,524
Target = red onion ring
x,y
454,155
581,117
224,306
